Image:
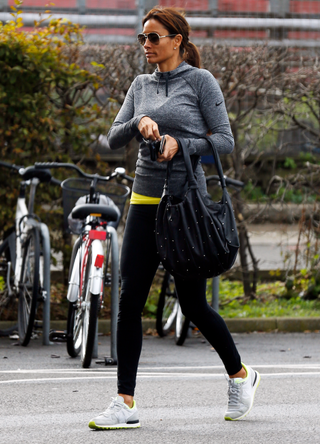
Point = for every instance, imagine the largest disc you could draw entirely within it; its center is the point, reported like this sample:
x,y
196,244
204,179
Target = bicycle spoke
x,y
77,324
26,314
26,306
29,286
172,315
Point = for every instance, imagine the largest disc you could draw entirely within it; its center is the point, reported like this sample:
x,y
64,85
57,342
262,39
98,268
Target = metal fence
x,y
237,22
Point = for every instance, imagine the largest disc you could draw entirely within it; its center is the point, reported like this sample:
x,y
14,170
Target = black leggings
x,y
139,262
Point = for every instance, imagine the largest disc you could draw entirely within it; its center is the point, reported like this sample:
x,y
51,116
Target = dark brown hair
x,y
173,20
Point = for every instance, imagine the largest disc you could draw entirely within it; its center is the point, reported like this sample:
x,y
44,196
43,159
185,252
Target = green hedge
x,y
48,111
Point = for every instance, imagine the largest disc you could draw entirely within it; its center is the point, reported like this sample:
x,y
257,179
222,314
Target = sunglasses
x,y
153,37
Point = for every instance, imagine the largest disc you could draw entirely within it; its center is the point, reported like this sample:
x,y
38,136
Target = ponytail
x,y
191,54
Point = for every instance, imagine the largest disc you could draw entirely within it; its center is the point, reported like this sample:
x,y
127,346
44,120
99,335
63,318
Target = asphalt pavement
x,y
275,245
46,397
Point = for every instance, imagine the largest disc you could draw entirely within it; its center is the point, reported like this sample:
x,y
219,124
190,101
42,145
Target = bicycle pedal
x,y
110,361
58,336
37,324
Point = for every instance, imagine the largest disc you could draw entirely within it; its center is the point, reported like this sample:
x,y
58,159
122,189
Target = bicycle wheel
x,y
28,286
74,321
90,306
167,306
182,327
74,329
8,299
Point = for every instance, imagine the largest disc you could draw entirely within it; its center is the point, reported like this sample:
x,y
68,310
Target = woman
x,y
178,100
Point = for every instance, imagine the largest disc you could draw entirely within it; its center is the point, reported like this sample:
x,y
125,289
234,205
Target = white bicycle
x,y
93,207
21,260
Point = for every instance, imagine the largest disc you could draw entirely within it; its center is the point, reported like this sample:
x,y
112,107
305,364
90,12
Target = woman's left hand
x,y
170,149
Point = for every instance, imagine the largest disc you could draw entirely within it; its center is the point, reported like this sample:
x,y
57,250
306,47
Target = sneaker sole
x,y
228,418
93,425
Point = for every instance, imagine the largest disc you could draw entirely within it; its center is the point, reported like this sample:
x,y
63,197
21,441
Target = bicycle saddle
x,y
106,213
31,172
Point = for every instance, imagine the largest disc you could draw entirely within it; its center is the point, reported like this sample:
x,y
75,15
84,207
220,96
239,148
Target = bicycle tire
x,y
8,299
74,330
28,286
111,291
167,307
89,316
74,320
182,327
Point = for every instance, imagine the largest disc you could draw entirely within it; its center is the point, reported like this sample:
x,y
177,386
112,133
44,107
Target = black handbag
x,y
196,237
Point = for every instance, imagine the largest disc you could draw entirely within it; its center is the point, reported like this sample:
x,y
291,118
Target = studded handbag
x,y
196,237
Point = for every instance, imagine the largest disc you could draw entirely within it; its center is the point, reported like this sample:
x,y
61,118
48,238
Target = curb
x,y
235,325
285,324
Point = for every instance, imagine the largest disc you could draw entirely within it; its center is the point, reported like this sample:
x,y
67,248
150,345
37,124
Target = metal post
x,y
45,239
3,5
95,344
215,294
140,14
114,290
81,6
213,7
279,8
149,4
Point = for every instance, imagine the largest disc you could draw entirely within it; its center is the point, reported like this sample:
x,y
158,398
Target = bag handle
x,y
191,179
186,156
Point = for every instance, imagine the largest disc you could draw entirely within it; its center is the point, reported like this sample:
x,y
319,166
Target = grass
x,y
271,301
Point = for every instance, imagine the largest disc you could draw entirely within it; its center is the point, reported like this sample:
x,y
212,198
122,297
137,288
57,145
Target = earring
x,y
174,48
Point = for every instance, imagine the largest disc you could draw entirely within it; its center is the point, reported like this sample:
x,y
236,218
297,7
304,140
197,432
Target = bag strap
x,y
217,162
186,156
191,179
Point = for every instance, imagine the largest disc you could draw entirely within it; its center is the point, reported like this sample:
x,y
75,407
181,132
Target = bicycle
x,y
169,313
92,209
22,264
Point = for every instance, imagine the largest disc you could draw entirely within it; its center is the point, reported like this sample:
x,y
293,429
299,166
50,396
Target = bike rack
x,y
45,236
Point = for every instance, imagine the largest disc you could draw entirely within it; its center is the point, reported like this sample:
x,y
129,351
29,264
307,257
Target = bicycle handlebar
x,y
229,182
25,172
55,181
71,166
117,172
11,166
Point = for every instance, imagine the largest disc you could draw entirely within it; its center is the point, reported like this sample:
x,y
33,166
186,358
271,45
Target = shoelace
x,y
115,406
233,393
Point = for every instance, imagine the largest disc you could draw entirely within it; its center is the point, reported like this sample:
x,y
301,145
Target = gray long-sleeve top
x,y
185,103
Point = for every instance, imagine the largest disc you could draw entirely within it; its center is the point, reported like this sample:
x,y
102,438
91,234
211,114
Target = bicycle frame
x,y
93,238
27,224
22,225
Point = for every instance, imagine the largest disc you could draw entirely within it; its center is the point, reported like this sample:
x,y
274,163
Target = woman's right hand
x,y
149,129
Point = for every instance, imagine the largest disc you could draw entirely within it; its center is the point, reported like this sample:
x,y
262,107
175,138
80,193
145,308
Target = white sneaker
x,y
117,416
241,394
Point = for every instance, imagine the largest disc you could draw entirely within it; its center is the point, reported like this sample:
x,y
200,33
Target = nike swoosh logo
x,y
219,103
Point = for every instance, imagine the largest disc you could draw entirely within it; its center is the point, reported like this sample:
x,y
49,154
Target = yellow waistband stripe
x,y
139,199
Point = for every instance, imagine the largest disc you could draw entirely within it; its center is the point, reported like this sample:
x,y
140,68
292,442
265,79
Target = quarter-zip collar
x,y
169,75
